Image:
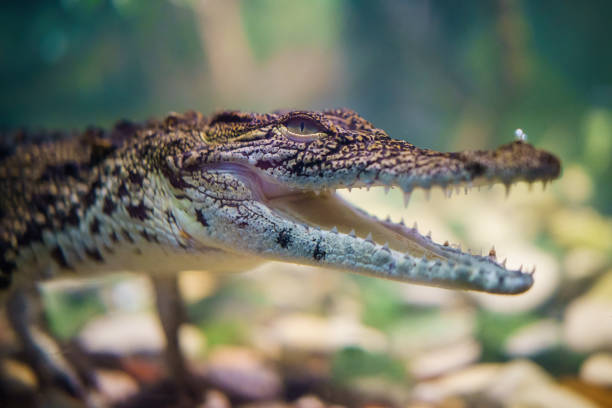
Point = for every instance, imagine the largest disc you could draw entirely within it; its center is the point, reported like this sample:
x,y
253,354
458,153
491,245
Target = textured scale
x,y
196,192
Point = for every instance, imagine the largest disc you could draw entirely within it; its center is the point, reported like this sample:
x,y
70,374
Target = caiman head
x,y
265,184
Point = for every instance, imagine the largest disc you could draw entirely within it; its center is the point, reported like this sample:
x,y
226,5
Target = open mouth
x,y
327,210
355,240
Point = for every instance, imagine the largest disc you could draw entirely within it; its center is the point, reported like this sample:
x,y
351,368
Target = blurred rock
x,y
127,293
429,296
308,332
215,399
115,386
20,376
435,330
582,228
123,334
576,184
309,401
195,285
438,361
145,369
192,341
243,374
597,369
267,404
290,286
599,394
520,383
588,320
534,338
583,262
378,391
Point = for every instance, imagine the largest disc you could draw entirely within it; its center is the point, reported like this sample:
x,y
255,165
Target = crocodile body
x,y
228,191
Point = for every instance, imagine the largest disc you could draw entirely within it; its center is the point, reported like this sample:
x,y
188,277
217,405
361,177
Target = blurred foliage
x,y
304,24
494,328
443,75
352,362
68,312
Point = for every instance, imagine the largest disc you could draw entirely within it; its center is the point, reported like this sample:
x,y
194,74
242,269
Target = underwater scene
x,y
444,76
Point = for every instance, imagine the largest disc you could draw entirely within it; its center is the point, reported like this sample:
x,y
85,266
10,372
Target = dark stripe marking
x,y
94,226
58,254
138,211
109,206
94,254
200,218
127,235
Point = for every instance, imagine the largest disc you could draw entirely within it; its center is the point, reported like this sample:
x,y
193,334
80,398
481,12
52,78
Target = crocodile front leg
x,y
172,314
24,312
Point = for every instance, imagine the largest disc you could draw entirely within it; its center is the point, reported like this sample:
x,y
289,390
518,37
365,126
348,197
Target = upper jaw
x,y
439,264
411,167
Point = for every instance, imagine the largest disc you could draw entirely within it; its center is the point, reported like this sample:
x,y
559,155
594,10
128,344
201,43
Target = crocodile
x,y
234,189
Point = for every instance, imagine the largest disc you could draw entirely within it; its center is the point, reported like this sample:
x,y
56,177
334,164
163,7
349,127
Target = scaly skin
x,y
236,189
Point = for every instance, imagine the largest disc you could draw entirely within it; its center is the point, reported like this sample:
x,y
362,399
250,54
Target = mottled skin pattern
x,y
226,192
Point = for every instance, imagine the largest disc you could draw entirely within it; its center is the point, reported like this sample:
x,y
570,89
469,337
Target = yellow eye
x,y
303,129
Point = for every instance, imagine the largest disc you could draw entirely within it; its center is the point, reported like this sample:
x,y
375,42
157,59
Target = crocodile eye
x,y
303,129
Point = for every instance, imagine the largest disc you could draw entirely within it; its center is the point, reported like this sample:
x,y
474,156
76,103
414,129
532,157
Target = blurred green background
x,y
440,74
443,75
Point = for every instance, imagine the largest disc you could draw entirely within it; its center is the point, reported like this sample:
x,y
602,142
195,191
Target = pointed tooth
x,y
544,184
334,230
388,219
508,186
429,234
492,253
530,187
446,243
387,188
428,194
352,233
448,192
533,269
386,246
521,268
369,237
415,226
402,221
503,263
350,188
406,199
466,190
